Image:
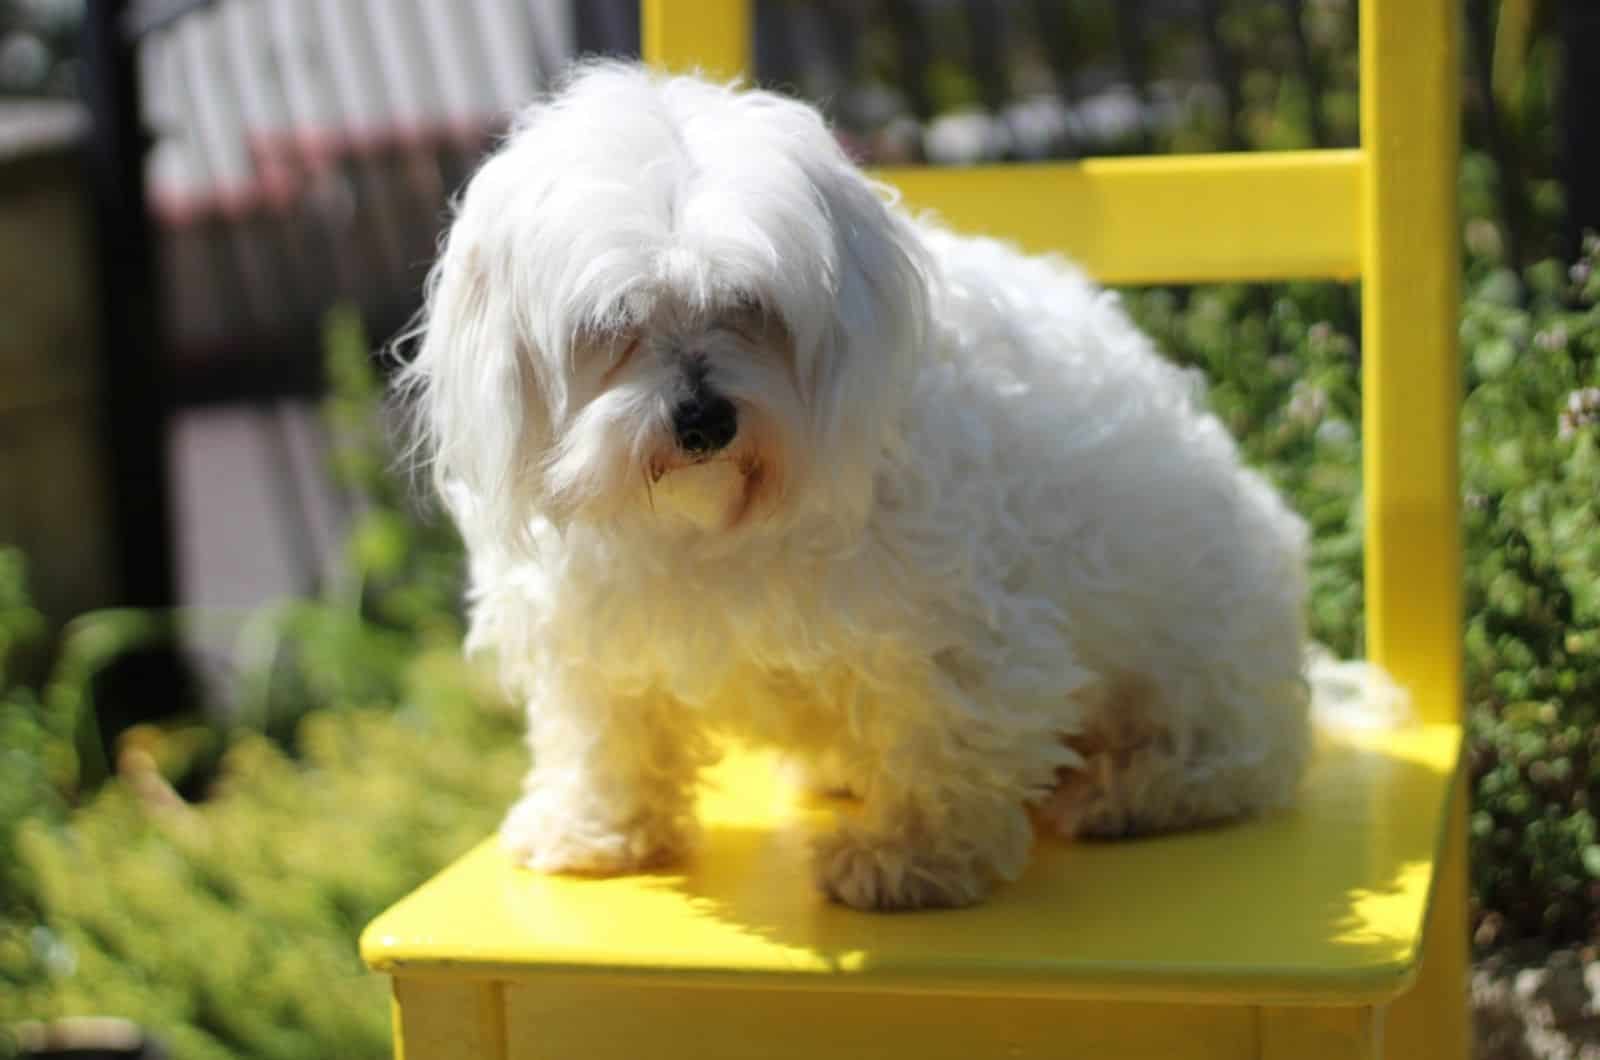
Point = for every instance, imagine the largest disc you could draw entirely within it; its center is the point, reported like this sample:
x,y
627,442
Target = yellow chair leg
x,y
449,1020
1430,1020
1321,1034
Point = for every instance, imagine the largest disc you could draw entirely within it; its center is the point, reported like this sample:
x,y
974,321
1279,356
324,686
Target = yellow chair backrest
x,y
1338,930
1383,212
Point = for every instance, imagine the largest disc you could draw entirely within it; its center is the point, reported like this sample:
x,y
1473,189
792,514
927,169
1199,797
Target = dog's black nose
x,y
704,422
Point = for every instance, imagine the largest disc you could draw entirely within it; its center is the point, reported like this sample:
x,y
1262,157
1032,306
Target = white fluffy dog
x,y
738,446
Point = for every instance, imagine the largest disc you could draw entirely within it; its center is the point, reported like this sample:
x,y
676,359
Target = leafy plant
x,y
228,926
1531,467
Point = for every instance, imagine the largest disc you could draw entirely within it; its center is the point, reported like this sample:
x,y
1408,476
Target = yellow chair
x,y
1334,930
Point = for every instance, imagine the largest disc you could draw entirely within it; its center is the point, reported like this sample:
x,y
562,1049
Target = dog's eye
x,y
621,347
604,347
621,352
747,315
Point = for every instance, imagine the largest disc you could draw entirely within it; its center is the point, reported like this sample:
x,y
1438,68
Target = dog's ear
x,y
868,355
479,399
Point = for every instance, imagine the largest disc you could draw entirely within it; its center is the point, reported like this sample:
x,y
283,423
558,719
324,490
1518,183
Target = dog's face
x,y
664,304
684,410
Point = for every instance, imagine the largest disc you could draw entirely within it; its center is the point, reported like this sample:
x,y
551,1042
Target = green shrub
x,y
228,926
35,757
1283,375
1531,474
403,577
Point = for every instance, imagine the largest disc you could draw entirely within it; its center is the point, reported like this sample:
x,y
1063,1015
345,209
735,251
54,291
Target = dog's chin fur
x,y
976,553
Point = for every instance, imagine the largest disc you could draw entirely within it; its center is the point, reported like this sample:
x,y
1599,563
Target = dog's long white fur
x,y
976,549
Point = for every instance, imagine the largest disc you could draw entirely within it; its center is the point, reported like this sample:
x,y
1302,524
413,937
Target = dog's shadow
x,y
1333,882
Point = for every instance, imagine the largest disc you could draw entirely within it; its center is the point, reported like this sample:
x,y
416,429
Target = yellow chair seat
x,y
1323,904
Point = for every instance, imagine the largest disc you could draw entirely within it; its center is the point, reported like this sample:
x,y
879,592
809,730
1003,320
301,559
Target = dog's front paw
x,y
544,834
874,872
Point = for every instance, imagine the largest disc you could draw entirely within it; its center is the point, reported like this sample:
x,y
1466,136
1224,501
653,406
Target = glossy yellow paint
x,y
709,36
559,1020
1280,937
1323,1034
1430,1019
1323,904
1412,371
1333,930
1168,219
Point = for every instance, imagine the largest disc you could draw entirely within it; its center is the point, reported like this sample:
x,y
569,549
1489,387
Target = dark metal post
x,y
1502,141
135,414
1226,71
1058,35
915,53
986,32
1131,44
134,380
1310,72
1580,89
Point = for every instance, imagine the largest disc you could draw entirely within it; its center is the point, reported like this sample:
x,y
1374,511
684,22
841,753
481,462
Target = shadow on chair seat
x,y
1320,904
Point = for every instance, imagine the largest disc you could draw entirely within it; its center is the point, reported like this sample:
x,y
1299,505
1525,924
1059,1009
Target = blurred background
x,y
233,720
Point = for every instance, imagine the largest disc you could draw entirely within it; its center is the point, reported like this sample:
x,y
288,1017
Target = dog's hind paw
x,y
871,872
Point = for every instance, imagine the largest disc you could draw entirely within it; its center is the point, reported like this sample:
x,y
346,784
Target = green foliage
x,y
49,747
403,580
43,733
1531,474
35,757
1283,376
228,926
